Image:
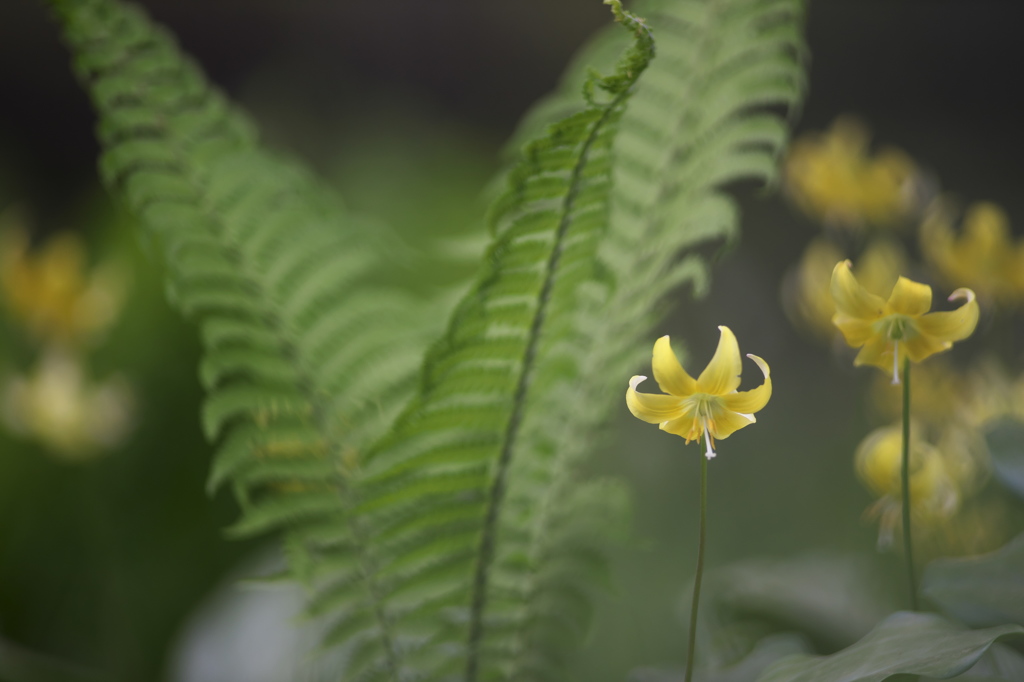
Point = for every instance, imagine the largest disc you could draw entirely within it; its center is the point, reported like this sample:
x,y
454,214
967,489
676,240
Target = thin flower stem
x,y
908,545
690,650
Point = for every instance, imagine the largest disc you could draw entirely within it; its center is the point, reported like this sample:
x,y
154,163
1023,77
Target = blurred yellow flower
x,y
49,292
965,456
807,298
887,331
707,407
983,525
831,177
56,405
991,393
933,492
983,256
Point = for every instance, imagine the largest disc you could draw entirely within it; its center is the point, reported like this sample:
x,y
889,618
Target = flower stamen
x,y
895,363
710,453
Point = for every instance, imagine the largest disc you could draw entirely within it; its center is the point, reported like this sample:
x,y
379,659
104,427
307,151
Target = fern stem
x,y
692,644
485,554
908,545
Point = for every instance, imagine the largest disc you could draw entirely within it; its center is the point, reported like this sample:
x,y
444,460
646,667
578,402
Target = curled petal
x,y
669,374
851,298
722,375
653,409
910,298
753,400
953,325
726,423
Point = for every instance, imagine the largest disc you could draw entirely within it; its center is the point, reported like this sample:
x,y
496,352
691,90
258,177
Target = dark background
x,y
405,105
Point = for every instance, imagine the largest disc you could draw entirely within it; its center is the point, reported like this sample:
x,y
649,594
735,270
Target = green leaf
x,y
1000,663
980,591
903,644
832,599
764,653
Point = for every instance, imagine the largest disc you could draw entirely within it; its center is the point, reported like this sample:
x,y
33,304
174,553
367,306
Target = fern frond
x,y
305,363
430,492
699,120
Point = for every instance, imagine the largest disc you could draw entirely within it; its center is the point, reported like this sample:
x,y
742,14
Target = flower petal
x,y
727,423
877,352
855,330
653,409
722,375
753,400
953,325
910,298
851,298
687,425
922,346
669,374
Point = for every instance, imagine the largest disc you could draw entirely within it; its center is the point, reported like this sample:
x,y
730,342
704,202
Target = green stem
x,y
700,567
908,545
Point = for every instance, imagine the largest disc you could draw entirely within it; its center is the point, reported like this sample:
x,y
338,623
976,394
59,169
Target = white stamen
x,y
710,454
895,363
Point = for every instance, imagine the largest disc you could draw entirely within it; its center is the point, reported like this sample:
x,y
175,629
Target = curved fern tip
x,y
617,9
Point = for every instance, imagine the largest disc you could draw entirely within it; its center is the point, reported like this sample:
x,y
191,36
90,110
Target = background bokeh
x,y
404,105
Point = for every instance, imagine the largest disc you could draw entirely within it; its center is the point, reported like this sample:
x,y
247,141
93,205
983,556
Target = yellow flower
x,y
57,405
966,457
983,257
50,291
887,331
708,406
934,494
832,178
806,296
991,393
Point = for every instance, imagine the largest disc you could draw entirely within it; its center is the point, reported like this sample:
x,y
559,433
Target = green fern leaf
x,y
305,361
430,492
697,122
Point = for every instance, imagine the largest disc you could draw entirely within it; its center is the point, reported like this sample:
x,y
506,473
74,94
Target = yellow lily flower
x,y
50,290
887,331
57,405
934,493
832,178
991,393
983,257
707,407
